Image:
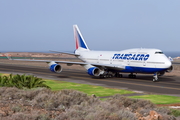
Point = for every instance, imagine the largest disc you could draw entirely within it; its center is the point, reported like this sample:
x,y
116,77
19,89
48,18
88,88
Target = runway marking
x,y
35,72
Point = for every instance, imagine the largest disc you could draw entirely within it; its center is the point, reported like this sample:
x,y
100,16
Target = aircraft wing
x,y
68,53
69,63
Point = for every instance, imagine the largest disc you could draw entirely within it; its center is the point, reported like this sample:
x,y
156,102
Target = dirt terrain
x,y
35,54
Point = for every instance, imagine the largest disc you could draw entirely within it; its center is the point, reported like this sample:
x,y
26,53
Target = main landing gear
x,y
132,75
118,75
155,77
107,75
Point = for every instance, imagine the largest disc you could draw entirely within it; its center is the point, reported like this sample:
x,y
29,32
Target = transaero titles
x,y
142,57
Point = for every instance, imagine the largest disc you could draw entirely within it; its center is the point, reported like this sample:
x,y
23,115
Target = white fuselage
x,y
136,60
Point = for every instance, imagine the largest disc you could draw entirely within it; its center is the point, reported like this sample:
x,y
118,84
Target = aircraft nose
x,y
168,63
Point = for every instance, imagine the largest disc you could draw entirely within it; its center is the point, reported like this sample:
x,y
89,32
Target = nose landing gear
x,y
155,77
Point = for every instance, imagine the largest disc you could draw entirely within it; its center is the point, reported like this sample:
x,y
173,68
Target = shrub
x,y
28,116
163,110
42,103
132,104
22,81
175,112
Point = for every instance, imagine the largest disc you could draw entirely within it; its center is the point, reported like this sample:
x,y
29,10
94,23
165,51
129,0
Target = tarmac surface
x,y
168,84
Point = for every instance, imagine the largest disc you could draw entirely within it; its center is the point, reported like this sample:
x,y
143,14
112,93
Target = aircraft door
x,y
110,60
128,62
144,63
99,58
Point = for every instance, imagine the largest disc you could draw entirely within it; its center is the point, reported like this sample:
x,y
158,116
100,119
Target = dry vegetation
x,y
44,104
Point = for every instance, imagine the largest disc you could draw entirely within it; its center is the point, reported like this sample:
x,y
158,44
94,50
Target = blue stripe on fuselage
x,y
142,69
130,69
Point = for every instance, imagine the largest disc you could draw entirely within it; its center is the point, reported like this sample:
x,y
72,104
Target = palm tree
x,y
34,82
22,81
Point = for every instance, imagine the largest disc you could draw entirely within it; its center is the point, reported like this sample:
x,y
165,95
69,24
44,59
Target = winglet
x,y
79,40
170,58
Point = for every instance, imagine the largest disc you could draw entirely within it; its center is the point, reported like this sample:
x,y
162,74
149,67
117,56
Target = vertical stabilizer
x,y
79,40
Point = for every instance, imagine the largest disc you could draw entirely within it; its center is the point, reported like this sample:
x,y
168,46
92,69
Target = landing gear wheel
x,y
132,76
102,76
109,75
154,80
121,75
118,75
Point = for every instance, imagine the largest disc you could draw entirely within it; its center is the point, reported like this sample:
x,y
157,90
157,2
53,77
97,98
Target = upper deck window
x,y
159,52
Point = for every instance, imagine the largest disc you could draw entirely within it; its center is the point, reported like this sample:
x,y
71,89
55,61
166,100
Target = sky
x,y
112,25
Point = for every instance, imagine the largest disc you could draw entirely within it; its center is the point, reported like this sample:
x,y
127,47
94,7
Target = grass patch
x,y
103,91
88,89
4,74
159,99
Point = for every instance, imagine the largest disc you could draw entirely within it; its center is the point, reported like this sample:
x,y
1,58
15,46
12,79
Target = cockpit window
x,y
159,53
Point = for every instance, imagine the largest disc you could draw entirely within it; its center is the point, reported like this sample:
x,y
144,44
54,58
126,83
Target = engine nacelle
x,y
94,71
55,68
169,69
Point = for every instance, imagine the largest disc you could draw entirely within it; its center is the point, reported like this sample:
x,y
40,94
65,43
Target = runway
x,y
168,84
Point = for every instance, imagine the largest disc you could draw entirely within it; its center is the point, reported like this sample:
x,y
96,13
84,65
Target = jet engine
x,y
169,69
55,68
94,71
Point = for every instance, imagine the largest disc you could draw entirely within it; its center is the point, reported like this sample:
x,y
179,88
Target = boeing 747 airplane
x,y
113,63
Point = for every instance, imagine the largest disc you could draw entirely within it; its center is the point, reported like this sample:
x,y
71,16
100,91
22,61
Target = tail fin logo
x,y
79,38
